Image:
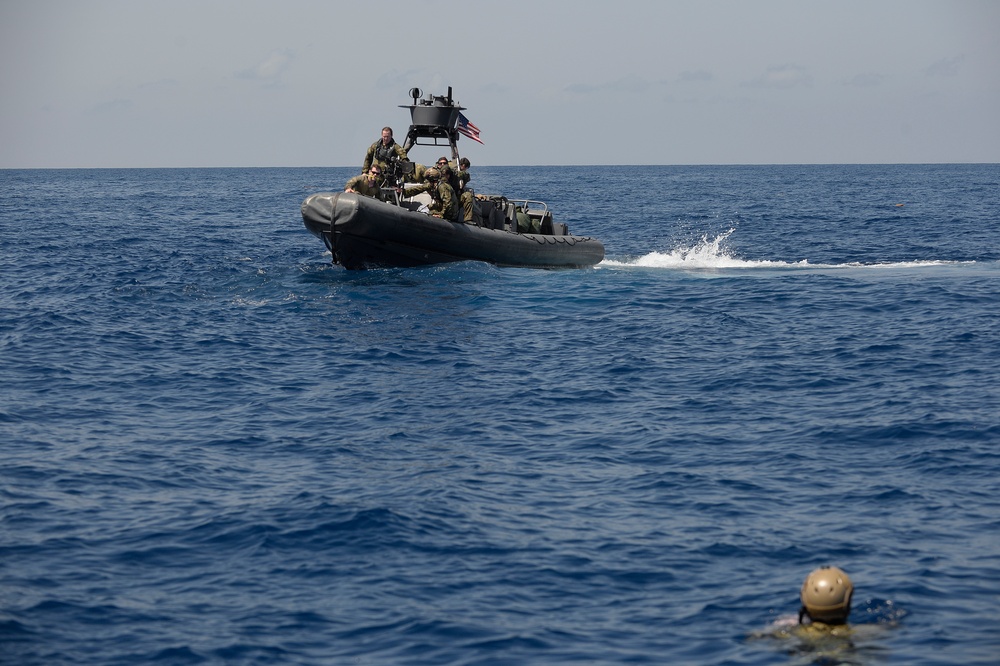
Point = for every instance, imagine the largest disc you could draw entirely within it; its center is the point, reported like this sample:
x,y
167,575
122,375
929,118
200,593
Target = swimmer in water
x,y
826,597
820,634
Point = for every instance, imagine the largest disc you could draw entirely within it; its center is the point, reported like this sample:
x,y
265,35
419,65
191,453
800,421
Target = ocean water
x,y
218,448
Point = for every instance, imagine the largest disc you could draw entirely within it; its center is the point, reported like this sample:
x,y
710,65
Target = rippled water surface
x,y
218,448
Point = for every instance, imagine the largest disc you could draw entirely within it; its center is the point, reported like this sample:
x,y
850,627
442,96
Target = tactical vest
x,y
384,153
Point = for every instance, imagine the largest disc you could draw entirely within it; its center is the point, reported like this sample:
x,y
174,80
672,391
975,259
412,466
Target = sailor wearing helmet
x,y
444,203
821,632
826,597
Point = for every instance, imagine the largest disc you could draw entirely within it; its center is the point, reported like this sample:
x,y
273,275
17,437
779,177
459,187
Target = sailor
x,y
444,204
383,151
826,597
368,183
447,173
466,195
457,176
463,171
821,631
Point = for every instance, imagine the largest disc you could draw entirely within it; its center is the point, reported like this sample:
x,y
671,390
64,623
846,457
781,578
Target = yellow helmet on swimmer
x,y
826,595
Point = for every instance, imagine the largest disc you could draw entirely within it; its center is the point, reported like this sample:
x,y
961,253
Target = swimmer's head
x,y
826,595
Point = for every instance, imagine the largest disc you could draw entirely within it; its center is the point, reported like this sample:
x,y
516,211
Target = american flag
x,y
467,128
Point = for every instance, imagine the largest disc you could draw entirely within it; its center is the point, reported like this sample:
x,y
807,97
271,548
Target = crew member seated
x,y
444,203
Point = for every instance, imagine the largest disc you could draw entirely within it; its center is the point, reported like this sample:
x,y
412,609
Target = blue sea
x,y
217,447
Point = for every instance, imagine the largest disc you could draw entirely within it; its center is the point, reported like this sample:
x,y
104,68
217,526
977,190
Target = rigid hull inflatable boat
x,y
366,232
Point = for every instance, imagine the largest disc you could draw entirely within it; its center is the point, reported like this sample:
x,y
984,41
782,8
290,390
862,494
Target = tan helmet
x,y
432,174
826,595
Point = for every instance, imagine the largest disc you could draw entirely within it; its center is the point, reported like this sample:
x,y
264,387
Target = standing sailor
x,y
383,151
465,193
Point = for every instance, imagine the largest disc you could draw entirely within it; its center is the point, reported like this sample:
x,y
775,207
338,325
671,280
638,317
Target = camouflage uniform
x,y
363,185
466,195
379,152
822,643
443,201
458,178
418,173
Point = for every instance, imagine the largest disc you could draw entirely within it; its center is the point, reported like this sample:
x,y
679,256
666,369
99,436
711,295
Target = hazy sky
x,y
172,83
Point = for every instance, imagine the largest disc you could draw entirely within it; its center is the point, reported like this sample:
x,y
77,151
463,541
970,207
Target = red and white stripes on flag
x,y
467,128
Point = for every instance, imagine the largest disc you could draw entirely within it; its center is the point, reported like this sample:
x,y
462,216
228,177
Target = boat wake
x,y
708,253
711,253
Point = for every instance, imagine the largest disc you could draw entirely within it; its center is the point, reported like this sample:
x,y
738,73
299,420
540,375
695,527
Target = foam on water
x,y
712,253
707,253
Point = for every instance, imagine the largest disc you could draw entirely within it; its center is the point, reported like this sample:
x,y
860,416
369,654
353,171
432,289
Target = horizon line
x,y
516,166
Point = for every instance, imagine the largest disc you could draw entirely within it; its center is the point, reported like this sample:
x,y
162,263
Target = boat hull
x,y
363,232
